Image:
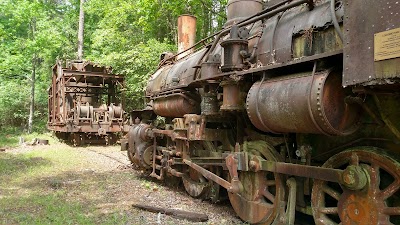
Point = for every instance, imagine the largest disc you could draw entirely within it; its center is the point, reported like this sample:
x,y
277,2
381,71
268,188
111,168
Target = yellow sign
x,y
387,45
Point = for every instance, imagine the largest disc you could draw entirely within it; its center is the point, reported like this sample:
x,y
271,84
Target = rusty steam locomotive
x,y
292,107
85,103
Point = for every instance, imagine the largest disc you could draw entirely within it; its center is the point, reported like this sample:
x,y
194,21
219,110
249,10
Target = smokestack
x,y
80,31
186,34
238,10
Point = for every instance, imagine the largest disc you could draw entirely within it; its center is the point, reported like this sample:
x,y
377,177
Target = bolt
x,y
254,165
348,178
354,177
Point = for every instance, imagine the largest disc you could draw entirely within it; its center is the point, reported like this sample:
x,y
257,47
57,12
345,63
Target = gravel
x,y
114,186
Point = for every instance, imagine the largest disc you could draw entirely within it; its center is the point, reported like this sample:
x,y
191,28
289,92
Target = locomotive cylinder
x,y
302,104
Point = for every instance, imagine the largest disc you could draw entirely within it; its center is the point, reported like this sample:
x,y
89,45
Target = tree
x,y
130,35
81,30
126,34
31,39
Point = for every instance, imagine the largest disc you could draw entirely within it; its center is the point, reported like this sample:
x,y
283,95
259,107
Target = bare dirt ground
x,y
102,180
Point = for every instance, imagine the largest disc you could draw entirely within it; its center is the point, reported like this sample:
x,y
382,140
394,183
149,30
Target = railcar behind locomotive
x,y
292,107
85,103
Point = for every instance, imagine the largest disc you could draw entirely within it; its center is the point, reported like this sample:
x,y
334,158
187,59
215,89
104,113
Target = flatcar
x,y
85,103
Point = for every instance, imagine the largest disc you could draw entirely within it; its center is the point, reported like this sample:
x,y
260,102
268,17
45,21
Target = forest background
x,y
128,35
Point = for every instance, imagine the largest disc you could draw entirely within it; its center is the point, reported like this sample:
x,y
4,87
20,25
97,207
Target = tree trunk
x,y
33,78
81,30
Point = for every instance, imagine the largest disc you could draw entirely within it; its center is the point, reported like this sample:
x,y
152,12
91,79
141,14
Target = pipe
x,y
271,13
291,206
334,20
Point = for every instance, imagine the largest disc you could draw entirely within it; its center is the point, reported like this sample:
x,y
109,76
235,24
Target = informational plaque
x,y
387,45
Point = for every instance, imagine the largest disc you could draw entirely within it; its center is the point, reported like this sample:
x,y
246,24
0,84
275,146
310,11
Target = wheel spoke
x,y
354,160
331,192
328,210
390,190
392,211
375,177
268,195
270,183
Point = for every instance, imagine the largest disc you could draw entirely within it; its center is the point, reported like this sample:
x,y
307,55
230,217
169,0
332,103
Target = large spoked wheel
x,y
263,192
377,203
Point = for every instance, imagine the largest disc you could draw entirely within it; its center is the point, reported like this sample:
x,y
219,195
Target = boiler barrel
x,y
302,104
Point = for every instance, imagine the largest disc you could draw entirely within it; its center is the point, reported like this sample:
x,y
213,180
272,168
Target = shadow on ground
x,y
15,165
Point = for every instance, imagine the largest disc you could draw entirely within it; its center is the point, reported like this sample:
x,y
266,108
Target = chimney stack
x,y
186,34
238,10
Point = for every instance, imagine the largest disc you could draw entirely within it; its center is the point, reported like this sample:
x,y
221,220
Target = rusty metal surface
x,y
260,200
359,31
209,104
175,105
139,145
232,96
186,34
196,140
302,104
334,175
84,97
182,73
238,10
233,56
276,43
207,174
376,204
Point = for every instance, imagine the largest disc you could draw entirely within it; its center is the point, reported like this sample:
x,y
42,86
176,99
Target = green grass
x,y
51,209
33,190
10,138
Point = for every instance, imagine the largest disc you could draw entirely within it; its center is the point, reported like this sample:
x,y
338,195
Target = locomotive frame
x,y
85,103
292,107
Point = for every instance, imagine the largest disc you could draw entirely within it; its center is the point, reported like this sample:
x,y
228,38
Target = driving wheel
x,y
376,203
263,192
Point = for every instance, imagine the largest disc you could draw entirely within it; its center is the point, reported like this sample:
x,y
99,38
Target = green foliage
x,y
128,35
13,103
137,64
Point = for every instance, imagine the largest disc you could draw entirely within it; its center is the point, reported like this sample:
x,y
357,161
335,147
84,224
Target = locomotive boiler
x,y
85,103
292,108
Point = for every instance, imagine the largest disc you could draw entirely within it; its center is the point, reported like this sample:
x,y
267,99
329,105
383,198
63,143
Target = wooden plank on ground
x,y
180,214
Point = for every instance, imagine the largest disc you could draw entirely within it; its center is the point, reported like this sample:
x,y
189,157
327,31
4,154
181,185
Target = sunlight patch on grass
x,y
9,139
52,185
50,209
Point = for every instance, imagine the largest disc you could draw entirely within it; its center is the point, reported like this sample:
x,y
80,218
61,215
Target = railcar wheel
x,y
377,203
195,184
263,192
131,154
